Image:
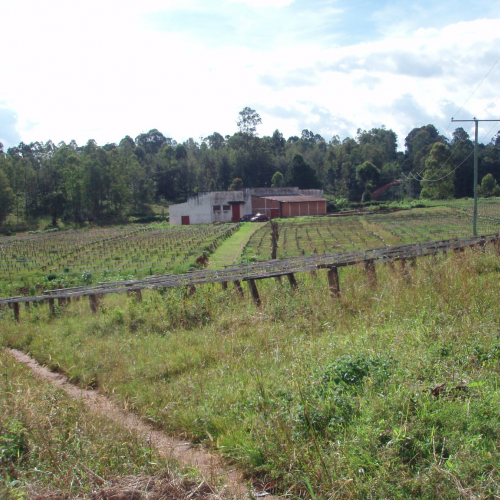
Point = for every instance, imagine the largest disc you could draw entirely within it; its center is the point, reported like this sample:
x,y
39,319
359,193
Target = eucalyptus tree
x,y
7,198
439,174
248,121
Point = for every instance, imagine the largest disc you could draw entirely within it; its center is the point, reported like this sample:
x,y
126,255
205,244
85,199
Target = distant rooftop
x,y
293,198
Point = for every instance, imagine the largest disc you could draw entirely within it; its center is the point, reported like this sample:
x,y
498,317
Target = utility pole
x,y
474,218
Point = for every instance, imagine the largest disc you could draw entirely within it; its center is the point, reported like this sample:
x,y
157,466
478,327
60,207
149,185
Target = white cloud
x,y
265,3
99,70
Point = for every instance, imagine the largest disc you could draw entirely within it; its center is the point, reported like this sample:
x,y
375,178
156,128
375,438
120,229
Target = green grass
x,y
50,443
330,399
228,251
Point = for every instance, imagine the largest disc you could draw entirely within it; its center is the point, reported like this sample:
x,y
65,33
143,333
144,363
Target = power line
x,y
418,176
423,179
476,124
480,83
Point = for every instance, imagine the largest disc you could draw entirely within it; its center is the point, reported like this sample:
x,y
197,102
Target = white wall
x,y
199,208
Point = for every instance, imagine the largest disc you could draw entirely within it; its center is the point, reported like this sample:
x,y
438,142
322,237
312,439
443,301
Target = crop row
x,y
112,250
331,234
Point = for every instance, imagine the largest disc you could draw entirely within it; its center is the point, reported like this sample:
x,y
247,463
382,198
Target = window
x,y
226,208
216,208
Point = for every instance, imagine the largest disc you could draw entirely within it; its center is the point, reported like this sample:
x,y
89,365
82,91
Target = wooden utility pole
x,y
275,234
476,121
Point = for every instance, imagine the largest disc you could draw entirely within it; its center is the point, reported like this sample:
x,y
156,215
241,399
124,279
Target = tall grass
x,y
53,445
329,399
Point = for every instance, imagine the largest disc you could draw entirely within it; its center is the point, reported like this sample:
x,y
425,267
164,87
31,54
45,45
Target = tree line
x,y
90,182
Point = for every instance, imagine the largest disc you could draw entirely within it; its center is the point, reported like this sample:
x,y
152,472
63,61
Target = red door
x,y
236,213
275,213
185,220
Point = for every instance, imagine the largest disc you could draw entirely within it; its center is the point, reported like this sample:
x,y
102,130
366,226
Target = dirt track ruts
x,y
210,466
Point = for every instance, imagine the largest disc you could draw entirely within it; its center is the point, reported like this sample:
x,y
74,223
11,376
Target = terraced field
x,y
309,235
102,253
69,258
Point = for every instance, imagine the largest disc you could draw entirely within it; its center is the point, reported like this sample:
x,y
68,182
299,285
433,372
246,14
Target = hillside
x,y
388,392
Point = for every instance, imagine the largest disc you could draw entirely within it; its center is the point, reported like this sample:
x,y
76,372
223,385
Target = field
x,y
32,262
86,257
304,236
391,391
388,393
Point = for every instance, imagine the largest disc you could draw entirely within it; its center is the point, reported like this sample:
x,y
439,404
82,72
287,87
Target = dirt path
x,y
210,466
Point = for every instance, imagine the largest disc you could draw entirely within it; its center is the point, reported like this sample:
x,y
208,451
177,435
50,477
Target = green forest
x,y
92,182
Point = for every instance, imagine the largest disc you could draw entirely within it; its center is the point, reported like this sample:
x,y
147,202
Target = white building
x,y
208,207
230,206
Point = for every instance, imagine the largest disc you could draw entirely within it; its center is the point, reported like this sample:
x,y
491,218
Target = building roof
x,y
293,198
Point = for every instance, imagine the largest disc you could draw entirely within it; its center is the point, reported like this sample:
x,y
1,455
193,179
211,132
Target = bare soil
x,y
219,481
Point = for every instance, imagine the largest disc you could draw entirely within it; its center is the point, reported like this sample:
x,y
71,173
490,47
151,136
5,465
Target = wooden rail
x,y
259,270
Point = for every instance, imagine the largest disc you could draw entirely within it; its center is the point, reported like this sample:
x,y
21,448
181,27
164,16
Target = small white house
x,y
230,206
208,207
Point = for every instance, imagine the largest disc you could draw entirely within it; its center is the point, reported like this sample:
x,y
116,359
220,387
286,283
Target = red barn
x,y
299,205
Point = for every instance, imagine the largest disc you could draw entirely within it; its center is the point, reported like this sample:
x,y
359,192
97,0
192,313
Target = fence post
x,y
94,303
52,307
224,285
292,281
333,282
370,271
482,244
254,291
404,269
239,290
15,306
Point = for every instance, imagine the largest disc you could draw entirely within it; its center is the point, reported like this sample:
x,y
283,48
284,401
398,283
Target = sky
x,y
104,69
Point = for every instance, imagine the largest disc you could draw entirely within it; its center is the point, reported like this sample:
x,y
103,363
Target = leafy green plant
x,y
13,441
